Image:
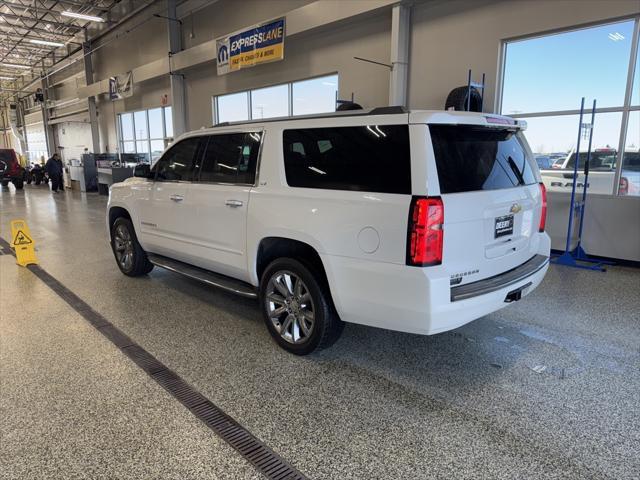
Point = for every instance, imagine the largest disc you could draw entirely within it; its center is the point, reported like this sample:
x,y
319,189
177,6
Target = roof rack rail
x,y
387,110
349,113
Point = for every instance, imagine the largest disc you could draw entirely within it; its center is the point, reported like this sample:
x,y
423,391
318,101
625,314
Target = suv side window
x,y
374,158
231,158
180,162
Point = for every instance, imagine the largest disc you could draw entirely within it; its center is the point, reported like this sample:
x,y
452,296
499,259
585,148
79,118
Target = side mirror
x,y
142,170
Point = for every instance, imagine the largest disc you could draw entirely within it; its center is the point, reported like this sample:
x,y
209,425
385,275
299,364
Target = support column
x,y
400,34
48,130
178,101
91,101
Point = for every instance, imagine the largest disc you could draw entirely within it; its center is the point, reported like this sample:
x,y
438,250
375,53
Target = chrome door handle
x,y
176,198
233,203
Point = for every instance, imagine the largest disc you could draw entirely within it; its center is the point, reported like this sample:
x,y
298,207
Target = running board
x,y
205,276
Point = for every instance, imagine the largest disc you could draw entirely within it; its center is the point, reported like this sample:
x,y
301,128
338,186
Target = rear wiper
x,y
516,170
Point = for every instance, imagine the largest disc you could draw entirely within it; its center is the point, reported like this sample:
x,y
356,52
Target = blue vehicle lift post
x,y
570,257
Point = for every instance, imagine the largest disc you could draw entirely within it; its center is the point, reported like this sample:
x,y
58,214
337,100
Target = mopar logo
x,y
223,54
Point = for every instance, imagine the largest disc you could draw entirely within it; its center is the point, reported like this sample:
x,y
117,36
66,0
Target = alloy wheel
x,y
123,246
290,306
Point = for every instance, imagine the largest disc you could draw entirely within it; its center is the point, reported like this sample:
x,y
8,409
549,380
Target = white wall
x,y
73,137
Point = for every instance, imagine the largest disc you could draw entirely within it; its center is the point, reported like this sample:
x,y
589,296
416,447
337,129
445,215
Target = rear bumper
x,y
413,300
498,282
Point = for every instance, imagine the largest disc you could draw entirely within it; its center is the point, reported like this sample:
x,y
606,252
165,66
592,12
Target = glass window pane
x,y
126,124
630,174
270,102
140,122
129,147
317,95
553,72
142,146
155,123
178,163
157,147
480,158
231,158
556,137
168,122
349,158
233,108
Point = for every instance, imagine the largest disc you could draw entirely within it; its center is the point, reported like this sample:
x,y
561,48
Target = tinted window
x,y
470,158
178,162
372,158
231,158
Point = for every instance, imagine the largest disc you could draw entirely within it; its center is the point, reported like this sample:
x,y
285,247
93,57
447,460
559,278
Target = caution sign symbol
x,y
23,244
22,238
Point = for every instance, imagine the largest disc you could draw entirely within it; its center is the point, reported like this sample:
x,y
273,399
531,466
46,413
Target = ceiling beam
x,y
29,18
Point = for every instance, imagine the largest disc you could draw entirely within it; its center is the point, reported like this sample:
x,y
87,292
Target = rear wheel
x,y
18,183
297,307
130,257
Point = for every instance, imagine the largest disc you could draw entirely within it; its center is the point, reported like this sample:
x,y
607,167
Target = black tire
x,y
457,100
18,183
139,263
5,183
326,327
37,182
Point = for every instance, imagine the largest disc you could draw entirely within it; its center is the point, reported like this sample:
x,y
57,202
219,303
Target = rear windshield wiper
x,y
516,170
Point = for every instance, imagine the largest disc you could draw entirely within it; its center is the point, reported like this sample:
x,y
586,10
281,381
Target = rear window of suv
x,y
471,158
373,158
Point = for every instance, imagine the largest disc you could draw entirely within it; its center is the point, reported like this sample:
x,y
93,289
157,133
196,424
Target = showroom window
x,y
146,131
304,97
544,78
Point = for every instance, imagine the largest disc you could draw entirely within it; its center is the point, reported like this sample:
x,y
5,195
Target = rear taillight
x,y
425,233
623,186
543,210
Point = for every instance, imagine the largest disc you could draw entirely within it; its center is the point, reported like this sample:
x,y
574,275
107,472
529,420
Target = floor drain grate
x,y
257,453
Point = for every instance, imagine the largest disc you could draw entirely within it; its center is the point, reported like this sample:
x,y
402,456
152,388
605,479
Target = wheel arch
x,y
116,212
272,247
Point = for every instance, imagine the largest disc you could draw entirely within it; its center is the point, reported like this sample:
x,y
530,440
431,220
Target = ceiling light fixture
x,y
46,42
7,78
15,65
82,16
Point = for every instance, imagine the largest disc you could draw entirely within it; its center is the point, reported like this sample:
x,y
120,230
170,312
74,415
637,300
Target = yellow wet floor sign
x,y
23,244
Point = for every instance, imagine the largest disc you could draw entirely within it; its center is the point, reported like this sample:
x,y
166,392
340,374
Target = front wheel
x,y
131,258
297,307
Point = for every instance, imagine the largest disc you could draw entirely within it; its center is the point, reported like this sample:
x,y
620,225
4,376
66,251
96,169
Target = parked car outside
x,y
602,170
412,221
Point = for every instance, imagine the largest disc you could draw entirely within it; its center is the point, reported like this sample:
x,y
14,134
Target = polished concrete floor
x,y
546,388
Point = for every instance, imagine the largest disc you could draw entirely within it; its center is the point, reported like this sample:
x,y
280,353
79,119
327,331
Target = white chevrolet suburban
x,y
414,221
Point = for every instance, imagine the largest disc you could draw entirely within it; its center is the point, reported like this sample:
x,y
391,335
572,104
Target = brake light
x,y
425,232
543,210
623,186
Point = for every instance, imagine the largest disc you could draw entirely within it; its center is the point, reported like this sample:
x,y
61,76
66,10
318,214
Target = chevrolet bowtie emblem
x,y
515,208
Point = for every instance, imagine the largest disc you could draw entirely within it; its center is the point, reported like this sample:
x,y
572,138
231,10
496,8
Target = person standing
x,y
54,170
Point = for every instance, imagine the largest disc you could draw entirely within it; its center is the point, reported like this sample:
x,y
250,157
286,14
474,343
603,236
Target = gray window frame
x,y
214,99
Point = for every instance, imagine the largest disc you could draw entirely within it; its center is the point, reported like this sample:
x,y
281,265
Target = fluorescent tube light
x,y
7,78
46,42
15,65
82,16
